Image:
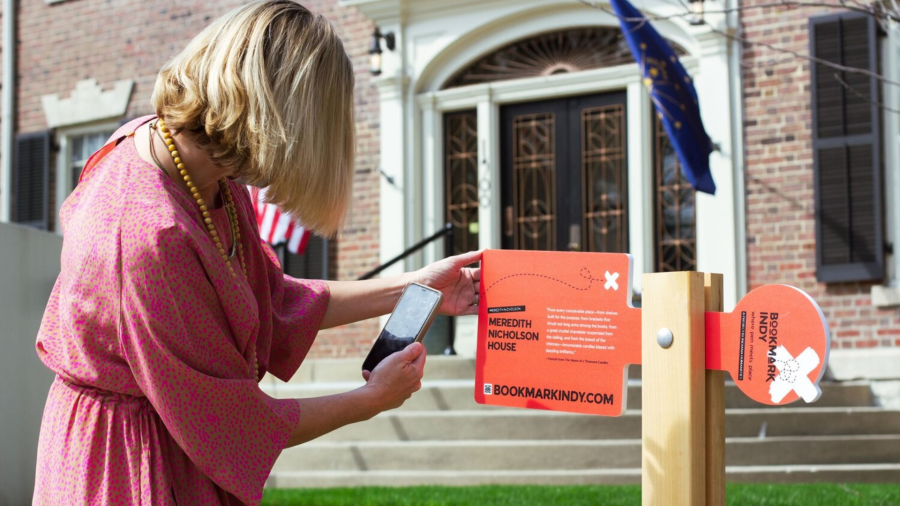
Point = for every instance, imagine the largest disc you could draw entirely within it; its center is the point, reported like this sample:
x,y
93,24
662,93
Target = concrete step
x,y
438,367
490,456
837,473
458,394
547,425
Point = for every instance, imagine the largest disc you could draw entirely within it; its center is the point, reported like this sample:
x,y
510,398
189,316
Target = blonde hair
x,y
267,91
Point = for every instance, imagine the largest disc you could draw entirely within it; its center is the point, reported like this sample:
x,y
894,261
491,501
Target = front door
x,y
564,174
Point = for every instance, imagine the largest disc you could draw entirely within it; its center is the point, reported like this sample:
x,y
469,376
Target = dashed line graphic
x,y
585,273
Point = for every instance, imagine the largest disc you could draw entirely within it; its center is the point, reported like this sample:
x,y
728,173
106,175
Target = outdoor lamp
x,y
375,49
696,12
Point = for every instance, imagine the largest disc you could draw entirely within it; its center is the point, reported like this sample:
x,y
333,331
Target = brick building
x,y
476,92
795,124
84,67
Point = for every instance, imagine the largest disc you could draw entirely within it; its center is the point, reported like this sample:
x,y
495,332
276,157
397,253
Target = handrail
x,y
446,231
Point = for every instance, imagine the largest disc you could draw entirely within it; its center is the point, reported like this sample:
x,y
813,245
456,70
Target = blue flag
x,y
672,92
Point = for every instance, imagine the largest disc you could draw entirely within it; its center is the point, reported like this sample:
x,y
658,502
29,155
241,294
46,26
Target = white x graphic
x,y
611,281
794,375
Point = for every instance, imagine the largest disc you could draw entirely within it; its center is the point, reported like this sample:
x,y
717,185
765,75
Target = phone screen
x,y
404,325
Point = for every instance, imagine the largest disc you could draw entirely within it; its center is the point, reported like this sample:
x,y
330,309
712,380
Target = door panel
x,y
563,168
534,180
604,178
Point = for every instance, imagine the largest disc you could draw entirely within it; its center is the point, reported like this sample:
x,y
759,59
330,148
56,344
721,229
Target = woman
x,y
168,310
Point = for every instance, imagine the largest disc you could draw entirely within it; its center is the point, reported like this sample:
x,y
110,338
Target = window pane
x,y
604,172
676,234
461,180
534,175
83,146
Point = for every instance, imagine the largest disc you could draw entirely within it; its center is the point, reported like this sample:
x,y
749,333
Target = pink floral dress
x,y
153,344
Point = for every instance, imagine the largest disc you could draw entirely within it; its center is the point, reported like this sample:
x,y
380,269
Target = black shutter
x,y
846,150
31,180
312,264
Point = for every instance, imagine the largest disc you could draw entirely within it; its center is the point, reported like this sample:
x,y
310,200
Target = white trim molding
x,y
885,296
7,107
888,294
88,102
394,189
864,363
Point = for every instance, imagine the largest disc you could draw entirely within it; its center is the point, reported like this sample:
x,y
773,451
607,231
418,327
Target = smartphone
x,y
407,324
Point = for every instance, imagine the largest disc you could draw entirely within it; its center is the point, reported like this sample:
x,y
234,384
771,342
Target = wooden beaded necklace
x,y
236,247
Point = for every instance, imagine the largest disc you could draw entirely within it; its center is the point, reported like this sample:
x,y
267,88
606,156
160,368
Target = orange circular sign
x,y
775,344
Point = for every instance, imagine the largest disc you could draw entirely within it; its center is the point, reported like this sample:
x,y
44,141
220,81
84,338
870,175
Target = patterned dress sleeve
x,y
298,308
185,360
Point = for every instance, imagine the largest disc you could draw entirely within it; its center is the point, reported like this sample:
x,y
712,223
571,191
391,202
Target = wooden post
x,y
715,409
673,420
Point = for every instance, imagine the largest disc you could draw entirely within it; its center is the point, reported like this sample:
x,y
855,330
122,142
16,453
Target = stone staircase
x,y
442,437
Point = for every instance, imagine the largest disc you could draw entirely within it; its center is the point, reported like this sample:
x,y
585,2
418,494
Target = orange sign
x,y
556,331
775,345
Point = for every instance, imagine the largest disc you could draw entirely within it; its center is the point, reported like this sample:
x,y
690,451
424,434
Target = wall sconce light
x,y
375,49
696,12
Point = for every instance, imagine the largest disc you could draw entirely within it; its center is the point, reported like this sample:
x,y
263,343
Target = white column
x,y
735,53
717,238
63,175
640,179
393,221
489,208
891,65
7,102
413,192
432,163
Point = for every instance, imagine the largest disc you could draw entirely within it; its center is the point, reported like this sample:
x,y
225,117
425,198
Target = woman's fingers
x,y
470,310
413,352
467,258
419,362
398,375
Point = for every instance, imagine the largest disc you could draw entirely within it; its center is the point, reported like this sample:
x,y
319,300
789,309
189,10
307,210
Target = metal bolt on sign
x,y
664,337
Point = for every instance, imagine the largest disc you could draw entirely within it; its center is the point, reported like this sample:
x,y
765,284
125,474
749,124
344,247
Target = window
x,y
76,145
461,173
847,152
675,232
82,147
318,261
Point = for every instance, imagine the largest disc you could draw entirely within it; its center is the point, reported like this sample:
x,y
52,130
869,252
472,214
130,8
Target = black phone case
x,y
377,354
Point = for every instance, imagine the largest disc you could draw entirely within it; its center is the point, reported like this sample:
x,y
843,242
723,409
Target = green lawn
x,y
824,494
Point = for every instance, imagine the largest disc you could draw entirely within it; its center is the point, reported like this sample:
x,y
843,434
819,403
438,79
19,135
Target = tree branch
x,y
863,96
747,42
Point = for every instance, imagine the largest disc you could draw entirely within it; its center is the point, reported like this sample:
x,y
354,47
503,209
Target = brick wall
x,y
779,178
109,40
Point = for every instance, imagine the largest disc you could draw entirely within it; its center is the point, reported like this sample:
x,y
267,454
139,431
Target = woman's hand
x,y
352,301
458,283
397,377
392,382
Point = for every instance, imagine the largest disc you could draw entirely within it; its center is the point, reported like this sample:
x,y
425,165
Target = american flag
x,y
276,227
